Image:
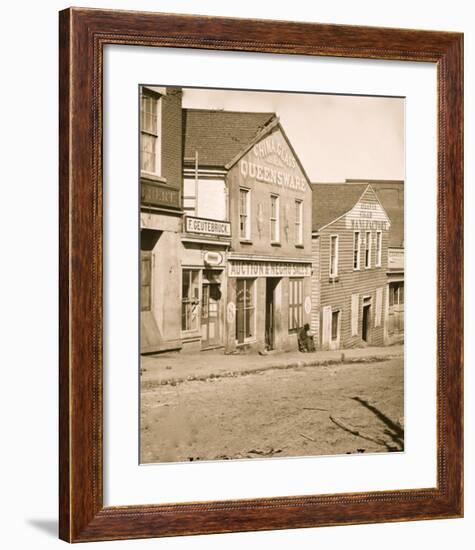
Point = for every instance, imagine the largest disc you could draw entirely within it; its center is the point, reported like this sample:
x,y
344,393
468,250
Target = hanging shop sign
x,y
213,258
204,226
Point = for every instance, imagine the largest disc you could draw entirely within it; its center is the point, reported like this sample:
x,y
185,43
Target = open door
x,y
271,285
366,321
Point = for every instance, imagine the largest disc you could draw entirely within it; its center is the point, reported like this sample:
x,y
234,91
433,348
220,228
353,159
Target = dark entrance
x,y
271,284
210,310
366,321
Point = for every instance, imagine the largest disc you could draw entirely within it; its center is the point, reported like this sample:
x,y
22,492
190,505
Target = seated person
x,y
305,339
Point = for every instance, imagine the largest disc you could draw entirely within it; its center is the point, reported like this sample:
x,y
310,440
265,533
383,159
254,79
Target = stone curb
x,y
152,384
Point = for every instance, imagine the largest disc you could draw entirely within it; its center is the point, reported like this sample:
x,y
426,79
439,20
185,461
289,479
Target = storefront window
x,y
295,304
396,294
245,309
190,299
149,135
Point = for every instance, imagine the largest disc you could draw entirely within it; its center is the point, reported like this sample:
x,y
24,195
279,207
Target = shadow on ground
x,y
394,431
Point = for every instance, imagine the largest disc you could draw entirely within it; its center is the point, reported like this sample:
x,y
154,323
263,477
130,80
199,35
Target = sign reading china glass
x,y
208,227
268,269
271,161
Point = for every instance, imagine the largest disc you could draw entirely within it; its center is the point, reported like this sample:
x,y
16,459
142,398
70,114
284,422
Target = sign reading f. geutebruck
x,y
207,227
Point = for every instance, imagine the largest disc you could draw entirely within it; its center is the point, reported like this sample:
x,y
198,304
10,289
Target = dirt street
x,y
301,411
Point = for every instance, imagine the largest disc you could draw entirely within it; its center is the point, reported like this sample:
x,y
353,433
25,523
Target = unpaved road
x,y
294,412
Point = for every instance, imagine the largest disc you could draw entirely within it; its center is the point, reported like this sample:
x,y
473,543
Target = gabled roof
x,y
219,136
332,200
391,195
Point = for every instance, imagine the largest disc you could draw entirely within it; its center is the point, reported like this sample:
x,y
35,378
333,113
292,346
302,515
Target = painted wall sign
x,y
367,215
238,268
213,258
231,312
207,227
158,194
308,305
272,161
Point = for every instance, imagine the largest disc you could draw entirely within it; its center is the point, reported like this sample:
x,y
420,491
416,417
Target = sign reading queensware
x,y
207,227
271,161
245,268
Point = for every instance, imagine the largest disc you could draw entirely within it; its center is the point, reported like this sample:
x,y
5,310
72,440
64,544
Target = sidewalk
x,y
174,368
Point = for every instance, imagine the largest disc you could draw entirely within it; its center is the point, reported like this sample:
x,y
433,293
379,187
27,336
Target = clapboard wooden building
x,y
391,195
350,232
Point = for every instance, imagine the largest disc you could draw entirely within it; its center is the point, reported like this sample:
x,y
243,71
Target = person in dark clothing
x,y
305,339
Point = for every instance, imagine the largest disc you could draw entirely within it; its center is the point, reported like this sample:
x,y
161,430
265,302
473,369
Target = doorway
x,y
365,332
211,310
271,284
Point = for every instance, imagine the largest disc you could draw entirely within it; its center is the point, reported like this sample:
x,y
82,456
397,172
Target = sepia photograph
x,y
271,274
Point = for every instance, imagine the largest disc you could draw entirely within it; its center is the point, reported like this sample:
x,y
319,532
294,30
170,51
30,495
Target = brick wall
x,y
172,154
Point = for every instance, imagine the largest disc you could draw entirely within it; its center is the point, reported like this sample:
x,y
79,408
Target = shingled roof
x,y
332,200
391,195
218,136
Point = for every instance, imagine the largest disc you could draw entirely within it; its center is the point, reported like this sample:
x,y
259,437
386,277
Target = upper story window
x,y
274,219
298,222
367,250
379,248
244,214
149,132
356,249
334,256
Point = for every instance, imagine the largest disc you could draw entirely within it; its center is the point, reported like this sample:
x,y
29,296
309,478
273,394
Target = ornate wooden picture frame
x,y
83,35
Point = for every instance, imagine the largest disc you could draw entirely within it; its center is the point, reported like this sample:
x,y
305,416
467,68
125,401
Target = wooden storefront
x,y
352,253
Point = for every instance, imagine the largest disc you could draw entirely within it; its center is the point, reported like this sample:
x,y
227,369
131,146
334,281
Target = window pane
x,y
243,213
249,322
333,255
147,152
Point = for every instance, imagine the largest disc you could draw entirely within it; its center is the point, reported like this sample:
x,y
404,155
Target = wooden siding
x,y
315,318
366,283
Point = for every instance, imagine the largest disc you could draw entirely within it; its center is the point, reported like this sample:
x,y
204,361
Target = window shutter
x,y
379,307
355,304
327,324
